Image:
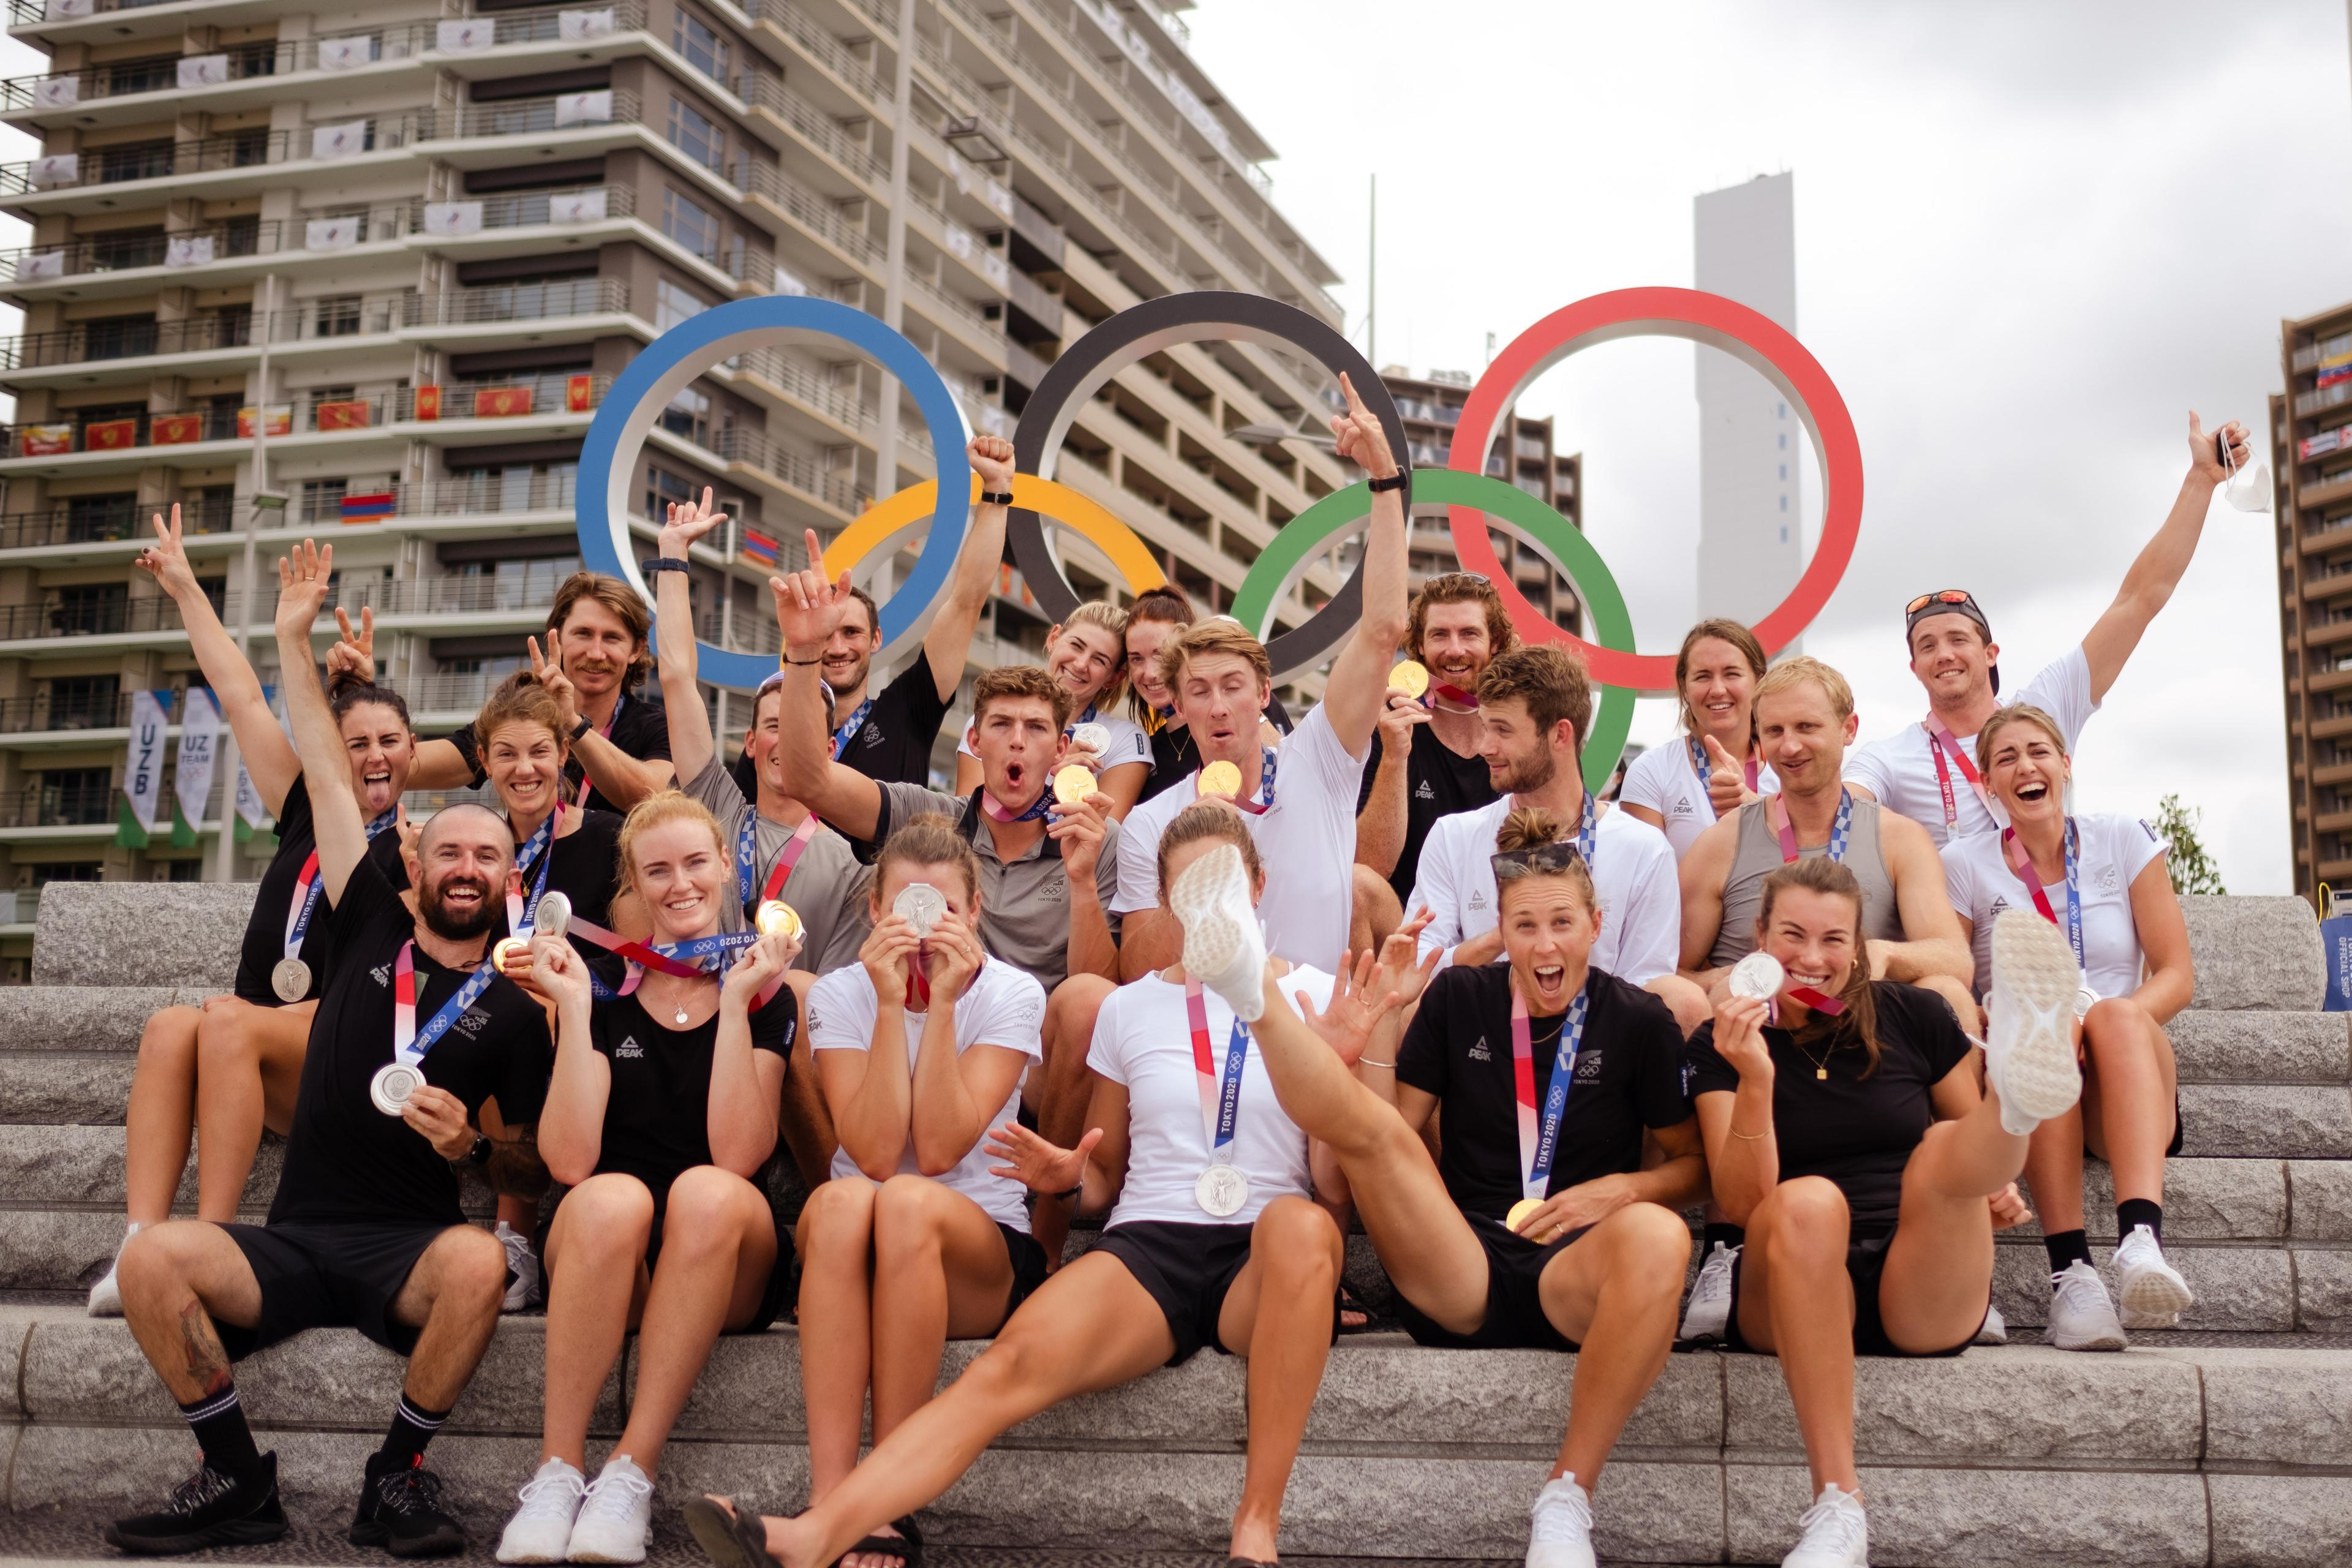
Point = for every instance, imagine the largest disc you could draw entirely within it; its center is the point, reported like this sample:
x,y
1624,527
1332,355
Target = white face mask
x,y
2247,489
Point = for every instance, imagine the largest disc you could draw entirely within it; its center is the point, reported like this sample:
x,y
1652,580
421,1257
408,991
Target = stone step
x,y
2016,1454
2257,953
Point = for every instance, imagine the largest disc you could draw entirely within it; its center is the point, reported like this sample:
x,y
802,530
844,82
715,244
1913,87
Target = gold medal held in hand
x,y
1521,1211
776,917
512,953
1073,784
1220,778
1410,677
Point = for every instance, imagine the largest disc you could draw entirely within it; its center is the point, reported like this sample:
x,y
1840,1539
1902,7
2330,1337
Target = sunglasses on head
x,y
1558,856
1942,597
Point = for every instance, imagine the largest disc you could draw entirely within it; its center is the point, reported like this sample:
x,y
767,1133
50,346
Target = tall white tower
x,y
1750,548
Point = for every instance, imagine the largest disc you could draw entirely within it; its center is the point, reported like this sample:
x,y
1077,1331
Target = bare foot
x,y
1253,1540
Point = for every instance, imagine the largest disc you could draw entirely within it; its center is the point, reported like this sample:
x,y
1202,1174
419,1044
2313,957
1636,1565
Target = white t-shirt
x,y
1307,839
1633,876
1127,742
1003,1007
2112,849
1143,1040
1900,768
1662,780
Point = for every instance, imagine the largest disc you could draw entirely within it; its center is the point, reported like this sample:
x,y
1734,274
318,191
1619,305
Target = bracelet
x,y
1368,1062
581,726
1746,1136
660,564
996,498
1072,1194
802,663
1395,481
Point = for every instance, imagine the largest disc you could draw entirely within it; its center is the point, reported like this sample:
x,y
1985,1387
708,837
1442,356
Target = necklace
x,y
1821,1063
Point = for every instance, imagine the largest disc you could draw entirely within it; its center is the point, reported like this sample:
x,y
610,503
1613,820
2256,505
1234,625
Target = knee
x,y
151,1262
169,1040
223,1040
705,1204
1807,1216
471,1268
2116,1032
1070,1013
1683,999
906,1217
1650,1241
608,1216
1298,1245
838,1217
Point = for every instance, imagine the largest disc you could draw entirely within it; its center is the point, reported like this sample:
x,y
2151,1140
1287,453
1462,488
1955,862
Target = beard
x,y
1528,773
453,925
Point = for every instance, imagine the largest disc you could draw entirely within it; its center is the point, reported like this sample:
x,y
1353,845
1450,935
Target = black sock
x,y
2065,1248
411,1428
2132,1212
1729,1236
219,1421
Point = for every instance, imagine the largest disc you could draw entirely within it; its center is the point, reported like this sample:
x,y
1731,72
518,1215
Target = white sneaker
x,y
1995,1330
1560,1532
106,1296
616,1515
541,1530
2029,1038
1837,1535
1223,949
522,1263
1709,1312
2154,1293
2082,1318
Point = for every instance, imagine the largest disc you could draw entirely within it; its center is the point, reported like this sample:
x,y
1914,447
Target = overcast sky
x,y
2030,238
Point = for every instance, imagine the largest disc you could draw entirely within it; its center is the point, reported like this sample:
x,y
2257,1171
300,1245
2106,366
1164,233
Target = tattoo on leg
x,y
208,1361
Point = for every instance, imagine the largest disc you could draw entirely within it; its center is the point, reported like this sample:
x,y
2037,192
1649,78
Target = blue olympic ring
x,y
663,367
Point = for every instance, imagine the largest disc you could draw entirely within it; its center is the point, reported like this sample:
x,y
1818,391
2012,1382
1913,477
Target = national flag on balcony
x,y
2332,371
354,414
368,508
501,402
579,392
45,441
428,402
109,435
758,548
174,429
279,422
141,806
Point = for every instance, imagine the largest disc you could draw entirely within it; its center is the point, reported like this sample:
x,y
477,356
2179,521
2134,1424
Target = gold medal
x,y
1220,778
1520,1211
1074,783
510,954
777,917
1410,677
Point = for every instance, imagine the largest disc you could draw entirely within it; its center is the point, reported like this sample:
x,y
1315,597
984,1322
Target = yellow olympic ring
x,y
893,516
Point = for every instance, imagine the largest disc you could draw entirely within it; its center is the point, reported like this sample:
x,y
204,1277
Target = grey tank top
x,y
1758,855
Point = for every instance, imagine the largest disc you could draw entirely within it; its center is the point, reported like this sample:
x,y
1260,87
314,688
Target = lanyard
x,y
409,1044
849,731
2024,865
1465,700
306,889
1839,829
1221,1088
1002,813
1940,742
1540,1130
1705,769
1588,832
538,849
688,959
588,788
747,855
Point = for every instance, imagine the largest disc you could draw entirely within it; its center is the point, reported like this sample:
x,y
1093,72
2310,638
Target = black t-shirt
x,y
1436,784
346,1162
657,1116
273,903
1458,1047
892,745
640,729
1858,1131
1173,755
585,869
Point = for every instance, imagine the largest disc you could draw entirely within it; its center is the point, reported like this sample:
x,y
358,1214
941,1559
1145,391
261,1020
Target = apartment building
x,y
368,271
2311,453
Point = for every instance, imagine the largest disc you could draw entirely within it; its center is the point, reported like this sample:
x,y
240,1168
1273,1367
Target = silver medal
x,y
1222,1191
393,1084
1093,738
921,904
2084,1000
553,916
291,978
1758,977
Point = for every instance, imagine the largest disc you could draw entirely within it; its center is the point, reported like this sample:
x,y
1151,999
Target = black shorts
x,y
1188,1269
328,1277
1515,1316
1866,1261
1028,1265
784,1275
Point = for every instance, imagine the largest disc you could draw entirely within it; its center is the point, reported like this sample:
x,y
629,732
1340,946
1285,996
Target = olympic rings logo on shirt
x,y
1475,499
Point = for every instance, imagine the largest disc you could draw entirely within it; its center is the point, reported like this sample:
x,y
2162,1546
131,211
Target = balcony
x,y
788,469
62,525
59,805
144,162
212,76
2309,402
487,496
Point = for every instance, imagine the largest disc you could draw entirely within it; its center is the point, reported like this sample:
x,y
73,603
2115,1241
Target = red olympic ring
x,y
1719,324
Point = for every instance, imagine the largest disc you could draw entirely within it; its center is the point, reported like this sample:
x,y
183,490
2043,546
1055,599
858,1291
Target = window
x,y
124,248
673,304
75,796
247,148
662,487
689,225
137,161
697,135
517,486
688,415
92,518
232,327
84,701
336,316
514,584
92,609
241,236
152,74
322,500
702,47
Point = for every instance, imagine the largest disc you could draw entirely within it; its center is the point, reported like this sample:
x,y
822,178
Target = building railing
x,y
63,525
2325,397
58,806
27,715
529,115
62,89
442,595
491,494
142,248
737,445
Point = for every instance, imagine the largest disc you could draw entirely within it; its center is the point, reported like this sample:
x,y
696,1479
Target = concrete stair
x,y
2188,1449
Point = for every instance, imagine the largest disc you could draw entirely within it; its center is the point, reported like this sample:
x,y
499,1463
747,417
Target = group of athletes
x,y
1163,955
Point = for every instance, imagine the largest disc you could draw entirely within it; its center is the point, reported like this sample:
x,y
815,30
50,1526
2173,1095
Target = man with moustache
x,y
365,1230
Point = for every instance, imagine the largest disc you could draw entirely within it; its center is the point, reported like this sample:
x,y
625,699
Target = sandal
x,y
1348,1304
906,1545
728,1536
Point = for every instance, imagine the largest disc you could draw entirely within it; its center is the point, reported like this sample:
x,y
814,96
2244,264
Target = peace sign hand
x,y
353,654
166,561
1360,435
687,523
547,672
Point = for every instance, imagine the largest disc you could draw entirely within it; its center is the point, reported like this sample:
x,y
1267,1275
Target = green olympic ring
x,y
1285,558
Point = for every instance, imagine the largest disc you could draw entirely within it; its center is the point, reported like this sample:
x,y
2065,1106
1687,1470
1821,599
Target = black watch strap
x,y
996,498
661,564
1395,481
581,726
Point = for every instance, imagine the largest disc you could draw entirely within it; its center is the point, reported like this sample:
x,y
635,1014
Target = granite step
x,y
2016,1454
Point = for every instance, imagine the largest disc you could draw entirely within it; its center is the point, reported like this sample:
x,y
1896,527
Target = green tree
x,y
2191,868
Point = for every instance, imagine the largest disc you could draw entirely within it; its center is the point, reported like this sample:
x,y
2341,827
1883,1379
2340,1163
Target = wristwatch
x,y
1395,481
581,726
996,498
654,564
478,1155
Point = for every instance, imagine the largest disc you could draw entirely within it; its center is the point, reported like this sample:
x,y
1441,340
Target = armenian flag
x,y
758,547
368,508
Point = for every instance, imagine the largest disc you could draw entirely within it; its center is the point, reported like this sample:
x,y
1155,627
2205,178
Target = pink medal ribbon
x,y
1942,743
586,787
1467,700
1219,1083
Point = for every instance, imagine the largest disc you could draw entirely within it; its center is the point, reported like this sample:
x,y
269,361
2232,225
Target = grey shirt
x,y
1024,903
828,888
1757,856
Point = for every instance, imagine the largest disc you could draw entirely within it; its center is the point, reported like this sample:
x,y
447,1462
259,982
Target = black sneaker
x,y
400,1511
210,1507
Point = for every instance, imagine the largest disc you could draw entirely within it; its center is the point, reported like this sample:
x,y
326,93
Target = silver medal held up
x,y
1758,977
921,905
393,1086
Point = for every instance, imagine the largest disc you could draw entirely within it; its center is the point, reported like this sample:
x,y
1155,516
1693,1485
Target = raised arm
x,y
302,580
949,642
871,1093
1743,1155
623,780
2162,562
269,757
808,609
1357,688
690,743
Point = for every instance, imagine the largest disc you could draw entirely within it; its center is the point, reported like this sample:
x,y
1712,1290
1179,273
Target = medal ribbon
x,y
408,1043
2022,863
587,788
1221,1088
747,855
1464,699
1940,742
1538,1130
1839,830
538,849
1820,1002
306,889
1265,785
1002,813
849,731
687,960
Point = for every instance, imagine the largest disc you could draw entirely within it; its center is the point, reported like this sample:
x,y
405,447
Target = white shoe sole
x,y
2101,1341
556,1555
2156,1296
1222,949
2034,971
577,1556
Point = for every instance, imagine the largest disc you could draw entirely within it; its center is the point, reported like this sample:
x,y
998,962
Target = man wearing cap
x,y
1927,771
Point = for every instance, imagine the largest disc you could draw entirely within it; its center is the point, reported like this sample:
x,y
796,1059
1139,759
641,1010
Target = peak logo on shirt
x,y
1479,1053
1683,807
1999,902
380,974
1478,898
1425,792
628,1050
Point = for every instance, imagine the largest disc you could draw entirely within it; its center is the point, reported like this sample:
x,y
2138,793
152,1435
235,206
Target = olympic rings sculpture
x,y
1476,501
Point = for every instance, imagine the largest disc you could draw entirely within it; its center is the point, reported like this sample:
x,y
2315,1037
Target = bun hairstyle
x,y
349,692
929,839
1531,827
521,700
1207,820
658,810
1859,1022
2016,713
1722,630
